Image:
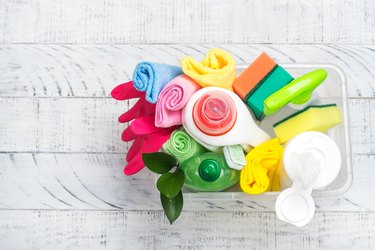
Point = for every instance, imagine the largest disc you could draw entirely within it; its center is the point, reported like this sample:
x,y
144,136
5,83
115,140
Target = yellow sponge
x,y
312,118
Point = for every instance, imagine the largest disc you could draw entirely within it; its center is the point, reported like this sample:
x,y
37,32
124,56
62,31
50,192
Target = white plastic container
x,y
332,90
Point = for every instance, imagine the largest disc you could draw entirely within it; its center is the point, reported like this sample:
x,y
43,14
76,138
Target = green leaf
x,y
172,207
159,162
170,184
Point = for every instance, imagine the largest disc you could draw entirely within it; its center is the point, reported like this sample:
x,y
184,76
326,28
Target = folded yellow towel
x,y
216,69
261,172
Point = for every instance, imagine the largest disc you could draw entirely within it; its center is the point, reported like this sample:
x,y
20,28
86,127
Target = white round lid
x,y
312,157
295,206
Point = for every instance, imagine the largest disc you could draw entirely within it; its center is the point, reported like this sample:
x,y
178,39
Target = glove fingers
x,y
135,148
140,108
128,135
150,143
144,125
147,143
132,113
134,166
154,142
147,108
126,91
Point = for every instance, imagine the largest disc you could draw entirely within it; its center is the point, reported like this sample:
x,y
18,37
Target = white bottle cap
x,y
312,160
295,206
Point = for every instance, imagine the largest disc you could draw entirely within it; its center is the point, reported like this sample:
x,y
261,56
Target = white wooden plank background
x,y
61,181
187,21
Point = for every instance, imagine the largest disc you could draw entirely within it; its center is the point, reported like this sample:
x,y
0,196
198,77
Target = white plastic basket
x,y
333,90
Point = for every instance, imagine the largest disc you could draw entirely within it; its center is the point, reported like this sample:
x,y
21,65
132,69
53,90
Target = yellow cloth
x,y
216,69
262,169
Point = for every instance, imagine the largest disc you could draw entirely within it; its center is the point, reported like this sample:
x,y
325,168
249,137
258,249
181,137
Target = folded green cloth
x,y
182,146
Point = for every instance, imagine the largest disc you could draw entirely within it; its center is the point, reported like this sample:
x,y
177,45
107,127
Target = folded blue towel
x,y
152,77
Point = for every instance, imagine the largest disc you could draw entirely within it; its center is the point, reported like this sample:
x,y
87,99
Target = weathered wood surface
x,y
193,230
60,145
93,70
187,21
61,160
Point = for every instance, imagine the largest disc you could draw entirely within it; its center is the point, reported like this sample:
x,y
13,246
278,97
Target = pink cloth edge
x,y
169,106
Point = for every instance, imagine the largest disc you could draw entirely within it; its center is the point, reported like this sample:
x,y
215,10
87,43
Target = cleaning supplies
x,y
297,92
216,69
182,146
262,78
253,75
146,139
223,114
172,99
142,131
312,148
126,91
313,118
209,172
218,117
261,172
312,160
295,205
144,143
278,78
152,77
234,156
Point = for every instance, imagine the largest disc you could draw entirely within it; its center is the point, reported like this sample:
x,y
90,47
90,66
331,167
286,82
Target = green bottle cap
x,y
209,170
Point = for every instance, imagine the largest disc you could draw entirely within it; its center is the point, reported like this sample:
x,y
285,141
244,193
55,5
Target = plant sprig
x,y
169,183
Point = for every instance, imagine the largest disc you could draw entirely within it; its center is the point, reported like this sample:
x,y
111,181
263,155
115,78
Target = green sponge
x,y
272,83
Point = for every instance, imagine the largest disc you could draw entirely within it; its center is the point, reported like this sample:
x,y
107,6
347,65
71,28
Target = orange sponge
x,y
253,75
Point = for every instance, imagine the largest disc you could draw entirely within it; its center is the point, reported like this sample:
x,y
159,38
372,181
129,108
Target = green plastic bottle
x,y
209,172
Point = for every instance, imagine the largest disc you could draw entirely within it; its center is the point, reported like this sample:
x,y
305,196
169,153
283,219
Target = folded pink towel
x,y
172,99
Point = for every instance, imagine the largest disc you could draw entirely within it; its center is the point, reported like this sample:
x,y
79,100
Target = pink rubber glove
x,y
126,91
140,126
148,144
142,130
147,138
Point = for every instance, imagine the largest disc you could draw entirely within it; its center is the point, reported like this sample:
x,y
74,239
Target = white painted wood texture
x,y
187,21
60,145
194,230
61,159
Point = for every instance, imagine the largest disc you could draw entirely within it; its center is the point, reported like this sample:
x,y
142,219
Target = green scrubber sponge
x,y
272,83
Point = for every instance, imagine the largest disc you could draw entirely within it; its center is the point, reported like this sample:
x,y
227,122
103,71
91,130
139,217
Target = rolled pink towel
x,y
172,99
